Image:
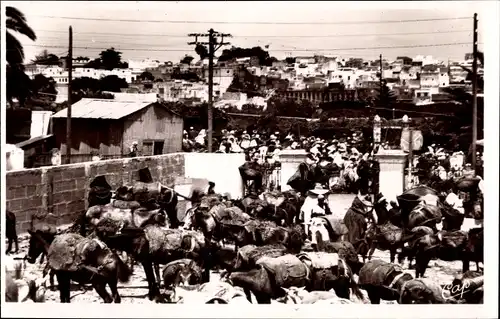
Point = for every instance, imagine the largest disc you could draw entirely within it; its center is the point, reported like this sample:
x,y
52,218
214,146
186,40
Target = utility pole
x,y
68,115
213,45
474,96
381,72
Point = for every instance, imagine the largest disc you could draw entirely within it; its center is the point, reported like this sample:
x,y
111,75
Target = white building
x,y
348,76
305,69
223,77
444,77
422,97
141,66
60,75
329,65
425,59
176,90
305,60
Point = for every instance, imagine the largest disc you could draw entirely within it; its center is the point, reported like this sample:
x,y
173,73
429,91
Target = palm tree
x,y
19,82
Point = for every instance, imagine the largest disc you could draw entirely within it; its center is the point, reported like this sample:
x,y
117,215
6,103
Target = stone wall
x,y
62,190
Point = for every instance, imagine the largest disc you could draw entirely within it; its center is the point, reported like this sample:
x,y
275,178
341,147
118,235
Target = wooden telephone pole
x,y
474,96
213,45
68,115
381,76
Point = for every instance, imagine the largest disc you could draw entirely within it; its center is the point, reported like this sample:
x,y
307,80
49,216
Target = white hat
x,y
318,190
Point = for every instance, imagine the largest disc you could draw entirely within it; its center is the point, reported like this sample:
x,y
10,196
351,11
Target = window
x,y
152,147
147,148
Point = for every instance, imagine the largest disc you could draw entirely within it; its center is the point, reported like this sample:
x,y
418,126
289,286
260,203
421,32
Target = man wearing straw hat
x,y
311,206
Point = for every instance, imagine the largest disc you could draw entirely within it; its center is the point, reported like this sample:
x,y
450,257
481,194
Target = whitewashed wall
x,y
222,169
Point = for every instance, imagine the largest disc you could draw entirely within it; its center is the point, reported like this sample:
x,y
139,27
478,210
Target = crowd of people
x,y
345,163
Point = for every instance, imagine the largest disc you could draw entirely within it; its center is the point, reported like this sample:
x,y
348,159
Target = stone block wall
x,y
62,190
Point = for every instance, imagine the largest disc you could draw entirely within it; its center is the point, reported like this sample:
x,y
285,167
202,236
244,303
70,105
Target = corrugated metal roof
x,y
102,109
33,140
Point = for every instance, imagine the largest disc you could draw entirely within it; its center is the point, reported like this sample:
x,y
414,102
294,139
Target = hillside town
x,y
420,79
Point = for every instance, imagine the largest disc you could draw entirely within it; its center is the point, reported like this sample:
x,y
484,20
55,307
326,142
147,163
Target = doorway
x,y
158,147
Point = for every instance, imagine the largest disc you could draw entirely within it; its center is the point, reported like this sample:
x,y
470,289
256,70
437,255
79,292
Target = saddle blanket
x,y
319,260
69,251
287,269
377,272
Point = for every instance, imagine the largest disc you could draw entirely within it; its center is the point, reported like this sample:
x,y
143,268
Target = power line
x,y
108,41
409,111
282,50
267,36
256,22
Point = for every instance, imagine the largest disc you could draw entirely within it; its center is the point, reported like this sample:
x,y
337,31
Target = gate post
x,y
290,160
392,171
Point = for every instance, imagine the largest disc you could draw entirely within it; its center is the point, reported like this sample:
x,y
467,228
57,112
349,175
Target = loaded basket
x,y
411,198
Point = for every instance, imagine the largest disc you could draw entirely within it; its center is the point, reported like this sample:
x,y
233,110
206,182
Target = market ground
x,y
135,291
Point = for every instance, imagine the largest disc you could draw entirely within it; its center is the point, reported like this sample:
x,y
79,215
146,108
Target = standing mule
x,y
74,257
11,233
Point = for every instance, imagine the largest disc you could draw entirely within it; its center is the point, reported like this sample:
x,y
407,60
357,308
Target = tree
x,y
246,82
187,59
45,88
290,60
202,51
146,76
357,63
111,59
94,64
462,118
237,53
187,76
385,97
112,83
46,58
16,21
85,85
18,83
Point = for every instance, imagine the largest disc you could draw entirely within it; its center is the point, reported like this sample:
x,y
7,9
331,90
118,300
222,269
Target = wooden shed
x,y
109,128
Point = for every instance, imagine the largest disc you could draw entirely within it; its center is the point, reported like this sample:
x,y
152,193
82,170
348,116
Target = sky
x,y
331,28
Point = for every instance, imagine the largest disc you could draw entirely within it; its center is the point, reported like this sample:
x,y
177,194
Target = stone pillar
x,y
290,160
392,168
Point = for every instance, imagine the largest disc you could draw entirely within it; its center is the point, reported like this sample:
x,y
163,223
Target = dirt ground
x,y
135,291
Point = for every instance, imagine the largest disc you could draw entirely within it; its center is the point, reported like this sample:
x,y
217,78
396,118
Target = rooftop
x,y
102,109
